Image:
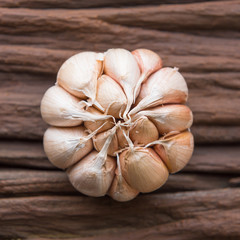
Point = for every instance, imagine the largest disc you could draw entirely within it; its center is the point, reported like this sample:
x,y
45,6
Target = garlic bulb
x,y
111,96
168,118
79,74
123,68
143,131
66,146
119,123
164,86
143,169
175,150
148,62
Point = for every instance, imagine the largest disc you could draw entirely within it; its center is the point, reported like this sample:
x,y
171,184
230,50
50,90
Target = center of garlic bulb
x,y
119,123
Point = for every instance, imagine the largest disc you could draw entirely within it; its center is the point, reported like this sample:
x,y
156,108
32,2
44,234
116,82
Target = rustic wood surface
x,y
198,36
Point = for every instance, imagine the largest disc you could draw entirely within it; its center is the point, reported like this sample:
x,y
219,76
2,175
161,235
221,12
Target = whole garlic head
x,y
119,123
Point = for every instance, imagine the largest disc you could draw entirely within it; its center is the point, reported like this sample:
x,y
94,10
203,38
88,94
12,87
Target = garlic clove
x,y
122,142
93,175
120,189
176,150
166,85
169,118
93,125
66,146
100,139
148,62
59,108
121,65
57,105
111,96
79,74
143,131
143,169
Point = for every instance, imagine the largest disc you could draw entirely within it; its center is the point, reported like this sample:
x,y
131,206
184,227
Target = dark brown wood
x,y
215,159
87,4
15,182
209,159
21,94
23,154
202,39
191,215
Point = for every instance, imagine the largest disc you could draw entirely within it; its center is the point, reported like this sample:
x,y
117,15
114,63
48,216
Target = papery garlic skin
x,y
120,189
89,176
79,74
93,125
166,85
143,169
66,146
169,118
121,65
122,142
57,106
143,131
100,139
148,62
176,150
111,96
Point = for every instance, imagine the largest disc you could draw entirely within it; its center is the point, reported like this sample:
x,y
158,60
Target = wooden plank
x,y
20,96
18,58
209,159
163,17
23,154
87,4
218,159
190,215
27,182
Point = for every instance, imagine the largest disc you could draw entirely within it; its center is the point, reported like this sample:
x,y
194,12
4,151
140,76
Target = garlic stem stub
x,y
119,123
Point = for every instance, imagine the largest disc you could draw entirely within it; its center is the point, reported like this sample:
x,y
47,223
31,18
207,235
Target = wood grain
x,y
198,36
215,117
19,182
205,159
190,215
87,4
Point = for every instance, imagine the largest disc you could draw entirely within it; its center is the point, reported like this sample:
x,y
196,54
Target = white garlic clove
x,y
111,96
93,175
100,139
93,125
143,131
79,74
66,146
120,189
169,118
176,150
122,141
148,62
57,106
121,65
143,169
166,85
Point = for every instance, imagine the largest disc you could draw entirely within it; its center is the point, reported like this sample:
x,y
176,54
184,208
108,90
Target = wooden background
x,y
200,37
